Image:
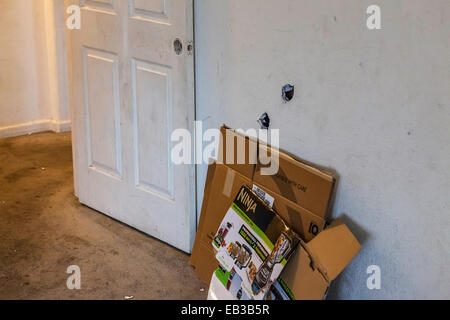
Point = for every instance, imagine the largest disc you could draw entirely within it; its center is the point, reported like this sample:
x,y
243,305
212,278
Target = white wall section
x,y
33,67
372,105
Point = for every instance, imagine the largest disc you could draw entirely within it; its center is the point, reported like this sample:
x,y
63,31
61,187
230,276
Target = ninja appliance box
x,y
253,245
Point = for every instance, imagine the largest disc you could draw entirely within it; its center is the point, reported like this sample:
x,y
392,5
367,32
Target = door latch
x,y
178,47
190,48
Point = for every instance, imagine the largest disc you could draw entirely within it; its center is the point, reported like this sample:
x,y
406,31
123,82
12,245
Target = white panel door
x,y
130,89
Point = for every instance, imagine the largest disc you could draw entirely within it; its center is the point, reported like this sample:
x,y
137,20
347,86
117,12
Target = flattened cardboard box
x,y
315,264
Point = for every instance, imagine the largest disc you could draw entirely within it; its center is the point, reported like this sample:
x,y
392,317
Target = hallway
x,y
44,230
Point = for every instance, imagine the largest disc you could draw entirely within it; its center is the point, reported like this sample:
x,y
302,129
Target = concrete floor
x,y
44,230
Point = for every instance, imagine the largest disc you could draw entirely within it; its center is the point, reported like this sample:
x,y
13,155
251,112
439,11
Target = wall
x,y
372,105
32,66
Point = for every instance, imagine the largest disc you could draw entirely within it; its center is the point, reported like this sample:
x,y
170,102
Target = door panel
x,y
101,91
151,10
130,90
153,118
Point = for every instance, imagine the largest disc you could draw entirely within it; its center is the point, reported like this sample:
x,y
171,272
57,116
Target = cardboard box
x,y
253,246
302,196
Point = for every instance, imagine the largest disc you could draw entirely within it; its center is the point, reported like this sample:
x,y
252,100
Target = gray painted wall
x,y
372,105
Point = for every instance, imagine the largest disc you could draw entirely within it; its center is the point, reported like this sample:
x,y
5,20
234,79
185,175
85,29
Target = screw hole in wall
x,y
288,92
264,121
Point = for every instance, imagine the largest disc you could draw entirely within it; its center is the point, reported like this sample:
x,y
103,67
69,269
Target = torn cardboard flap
x,y
333,249
304,281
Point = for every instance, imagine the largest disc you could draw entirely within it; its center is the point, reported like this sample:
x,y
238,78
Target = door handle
x,y
178,47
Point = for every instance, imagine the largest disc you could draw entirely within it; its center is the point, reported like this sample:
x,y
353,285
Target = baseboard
x,y
61,126
35,127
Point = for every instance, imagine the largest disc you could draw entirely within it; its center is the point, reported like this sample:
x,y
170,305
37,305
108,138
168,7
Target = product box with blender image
x,y
253,245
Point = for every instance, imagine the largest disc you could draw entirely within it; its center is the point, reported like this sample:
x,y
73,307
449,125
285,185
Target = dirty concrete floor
x,y
44,230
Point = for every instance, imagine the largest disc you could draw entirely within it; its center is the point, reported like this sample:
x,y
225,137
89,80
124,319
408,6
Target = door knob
x,y
178,46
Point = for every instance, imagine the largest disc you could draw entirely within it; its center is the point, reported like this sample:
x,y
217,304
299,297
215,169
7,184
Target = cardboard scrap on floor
x,y
300,195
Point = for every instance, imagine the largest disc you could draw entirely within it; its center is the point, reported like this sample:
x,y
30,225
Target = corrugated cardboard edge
x,y
208,183
324,173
